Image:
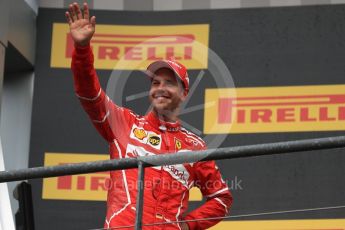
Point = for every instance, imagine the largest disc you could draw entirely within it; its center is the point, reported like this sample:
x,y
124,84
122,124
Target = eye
x,y
155,82
170,82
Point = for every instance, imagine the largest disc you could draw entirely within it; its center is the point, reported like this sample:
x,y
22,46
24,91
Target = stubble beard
x,y
167,111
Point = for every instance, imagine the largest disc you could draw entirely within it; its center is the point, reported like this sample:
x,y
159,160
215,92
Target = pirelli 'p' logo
x,y
275,109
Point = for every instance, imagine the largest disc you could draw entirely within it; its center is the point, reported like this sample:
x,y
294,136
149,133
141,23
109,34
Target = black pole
x,y
178,158
140,196
25,215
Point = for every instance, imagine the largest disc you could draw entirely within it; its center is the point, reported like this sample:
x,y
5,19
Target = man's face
x,y
166,91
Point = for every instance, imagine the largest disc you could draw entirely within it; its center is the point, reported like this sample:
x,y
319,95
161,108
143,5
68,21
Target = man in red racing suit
x,y
129,135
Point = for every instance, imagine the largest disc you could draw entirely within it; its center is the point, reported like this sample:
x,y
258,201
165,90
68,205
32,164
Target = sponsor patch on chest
x,y
146,137
179,173
178,145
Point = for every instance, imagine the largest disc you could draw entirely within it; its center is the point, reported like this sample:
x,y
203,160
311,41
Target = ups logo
x,y
154,140
139,133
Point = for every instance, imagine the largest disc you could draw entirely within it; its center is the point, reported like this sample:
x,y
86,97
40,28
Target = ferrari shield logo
x,y
178,144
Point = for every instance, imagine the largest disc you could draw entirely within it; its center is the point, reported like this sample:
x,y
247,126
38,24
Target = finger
x,y
93,21
77,10
71,12
68,18
86,11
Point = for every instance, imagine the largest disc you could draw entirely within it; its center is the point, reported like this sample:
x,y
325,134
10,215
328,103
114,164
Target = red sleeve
x,y
109,119
216,192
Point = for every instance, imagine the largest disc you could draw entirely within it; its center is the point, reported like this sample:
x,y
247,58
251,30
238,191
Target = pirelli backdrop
x,y
257,76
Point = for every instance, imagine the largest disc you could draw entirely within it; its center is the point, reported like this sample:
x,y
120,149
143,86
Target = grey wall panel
x,y
338,1
4,17
109,5
33,4
315,2
225,4
51,4
167,5
2,67
15,123
18,32
285,3
6,220
196,4
22,29
256,3
143,5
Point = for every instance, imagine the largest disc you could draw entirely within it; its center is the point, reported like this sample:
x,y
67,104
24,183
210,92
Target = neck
x,y
167,116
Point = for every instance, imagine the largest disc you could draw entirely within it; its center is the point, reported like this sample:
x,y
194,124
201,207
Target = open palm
x,y
81,26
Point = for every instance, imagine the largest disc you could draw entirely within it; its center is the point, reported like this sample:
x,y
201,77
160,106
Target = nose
x,y
161,85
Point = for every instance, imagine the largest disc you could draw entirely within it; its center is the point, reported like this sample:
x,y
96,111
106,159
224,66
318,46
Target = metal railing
x,y
170,159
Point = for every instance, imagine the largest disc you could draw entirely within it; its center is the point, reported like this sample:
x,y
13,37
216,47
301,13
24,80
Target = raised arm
x,y
108,118
82,29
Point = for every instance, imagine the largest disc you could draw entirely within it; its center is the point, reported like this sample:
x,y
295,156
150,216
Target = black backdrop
x,y
261,47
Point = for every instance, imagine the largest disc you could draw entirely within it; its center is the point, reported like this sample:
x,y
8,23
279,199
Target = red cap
x,y
179,70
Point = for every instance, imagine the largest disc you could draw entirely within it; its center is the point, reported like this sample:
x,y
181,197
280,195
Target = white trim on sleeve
x,y
90,99
216,193
104,118
222,203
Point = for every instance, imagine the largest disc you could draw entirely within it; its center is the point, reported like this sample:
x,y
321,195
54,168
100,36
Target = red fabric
x,y
129,135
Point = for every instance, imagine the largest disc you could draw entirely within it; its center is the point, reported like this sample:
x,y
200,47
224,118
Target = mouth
x,y
160,97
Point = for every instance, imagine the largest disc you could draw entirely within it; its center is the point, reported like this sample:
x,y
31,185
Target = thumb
x,y
93,21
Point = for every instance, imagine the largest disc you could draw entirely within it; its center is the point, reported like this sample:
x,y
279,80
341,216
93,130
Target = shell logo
x,y
139,133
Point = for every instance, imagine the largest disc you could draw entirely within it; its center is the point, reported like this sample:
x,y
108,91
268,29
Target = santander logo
x,y
178,172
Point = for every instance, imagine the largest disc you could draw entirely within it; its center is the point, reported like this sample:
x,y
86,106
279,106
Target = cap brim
x,y
153,67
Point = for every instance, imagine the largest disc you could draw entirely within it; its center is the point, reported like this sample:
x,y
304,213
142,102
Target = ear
x,y
184,95
183,92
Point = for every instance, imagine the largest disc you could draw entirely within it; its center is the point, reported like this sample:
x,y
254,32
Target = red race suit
x,y
130,135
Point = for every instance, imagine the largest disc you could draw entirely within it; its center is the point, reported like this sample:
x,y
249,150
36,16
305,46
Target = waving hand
x,y
82,27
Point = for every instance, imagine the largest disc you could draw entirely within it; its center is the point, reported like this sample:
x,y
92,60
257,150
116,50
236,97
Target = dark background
x,y
261,47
